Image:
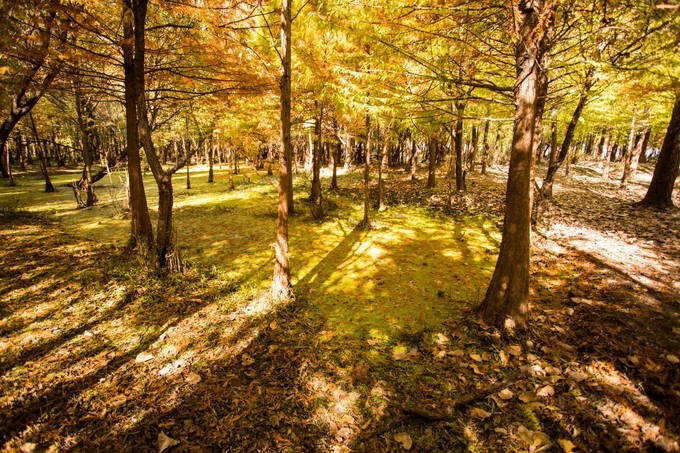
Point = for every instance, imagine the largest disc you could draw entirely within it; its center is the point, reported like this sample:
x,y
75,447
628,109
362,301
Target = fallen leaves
x,y
479,413
165,442
143,357
404,439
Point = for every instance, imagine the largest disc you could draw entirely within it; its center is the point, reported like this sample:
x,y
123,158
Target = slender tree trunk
x,y
606,153
211,162
639,151
42,154
315,195
460,181
485,152
8,164
281,287
474,143
628,158
414,159
141,231
507,298
367,166
660,192
84,111
381,163
432,160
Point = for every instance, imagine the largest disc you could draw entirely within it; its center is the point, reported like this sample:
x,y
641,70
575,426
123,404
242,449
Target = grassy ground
x,y
98,352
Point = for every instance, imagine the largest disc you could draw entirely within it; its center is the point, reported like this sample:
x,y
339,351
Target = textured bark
x,y
85,114
474,143
315,195
660,192
507,297
639,152
141,231
281,287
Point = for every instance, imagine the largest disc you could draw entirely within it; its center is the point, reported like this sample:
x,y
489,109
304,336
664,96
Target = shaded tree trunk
x,y
660,192
367,168
315,195
432,160
42,154
485,145
141,231
507,297
460,181
639,151
211,162
628,158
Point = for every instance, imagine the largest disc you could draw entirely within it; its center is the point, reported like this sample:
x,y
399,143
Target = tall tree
x,y
507,298
281,287
660,192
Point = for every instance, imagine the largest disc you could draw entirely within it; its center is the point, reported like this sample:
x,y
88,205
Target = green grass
x,y
412,270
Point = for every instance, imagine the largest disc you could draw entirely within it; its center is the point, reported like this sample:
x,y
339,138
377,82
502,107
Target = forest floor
x,y
100,353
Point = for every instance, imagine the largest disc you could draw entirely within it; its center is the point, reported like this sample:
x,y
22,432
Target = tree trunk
x,y
84,111
315,195
281,288
507,298
606,153
42,154
382,156
474,143
367,166
639,151
432,160
211,162
141,232
164,239
628,158
660,192
460,181
485,144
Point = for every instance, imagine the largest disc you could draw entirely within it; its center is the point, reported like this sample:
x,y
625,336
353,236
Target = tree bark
x,y
141,231
367,168
485,145
432,160
281,287
660,192
507,298
460,181
628,158
315,195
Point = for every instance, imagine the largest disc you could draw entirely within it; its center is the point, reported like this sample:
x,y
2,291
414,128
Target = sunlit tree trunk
x,y
315,195
639,151
42,154
660,192
432,161
281,287
507,298
628,158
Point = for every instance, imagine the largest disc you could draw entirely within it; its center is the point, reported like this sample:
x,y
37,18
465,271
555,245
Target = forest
x,y
348,226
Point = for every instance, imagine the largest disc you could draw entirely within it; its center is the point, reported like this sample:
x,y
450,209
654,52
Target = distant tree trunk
x,y
84,112
546,191
639,151
382,156
141,231
211,162
506,301
367,166
553,143
606,153
8,164
628,158
432,160
660,192
188,176
474,143
413,159
315,195
460,181
485,152
270,159
281,287
42,153
336,155
230,171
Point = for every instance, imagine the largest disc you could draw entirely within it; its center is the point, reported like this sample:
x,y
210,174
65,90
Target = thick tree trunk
x,y
141,231
660,192
281,287
507,298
